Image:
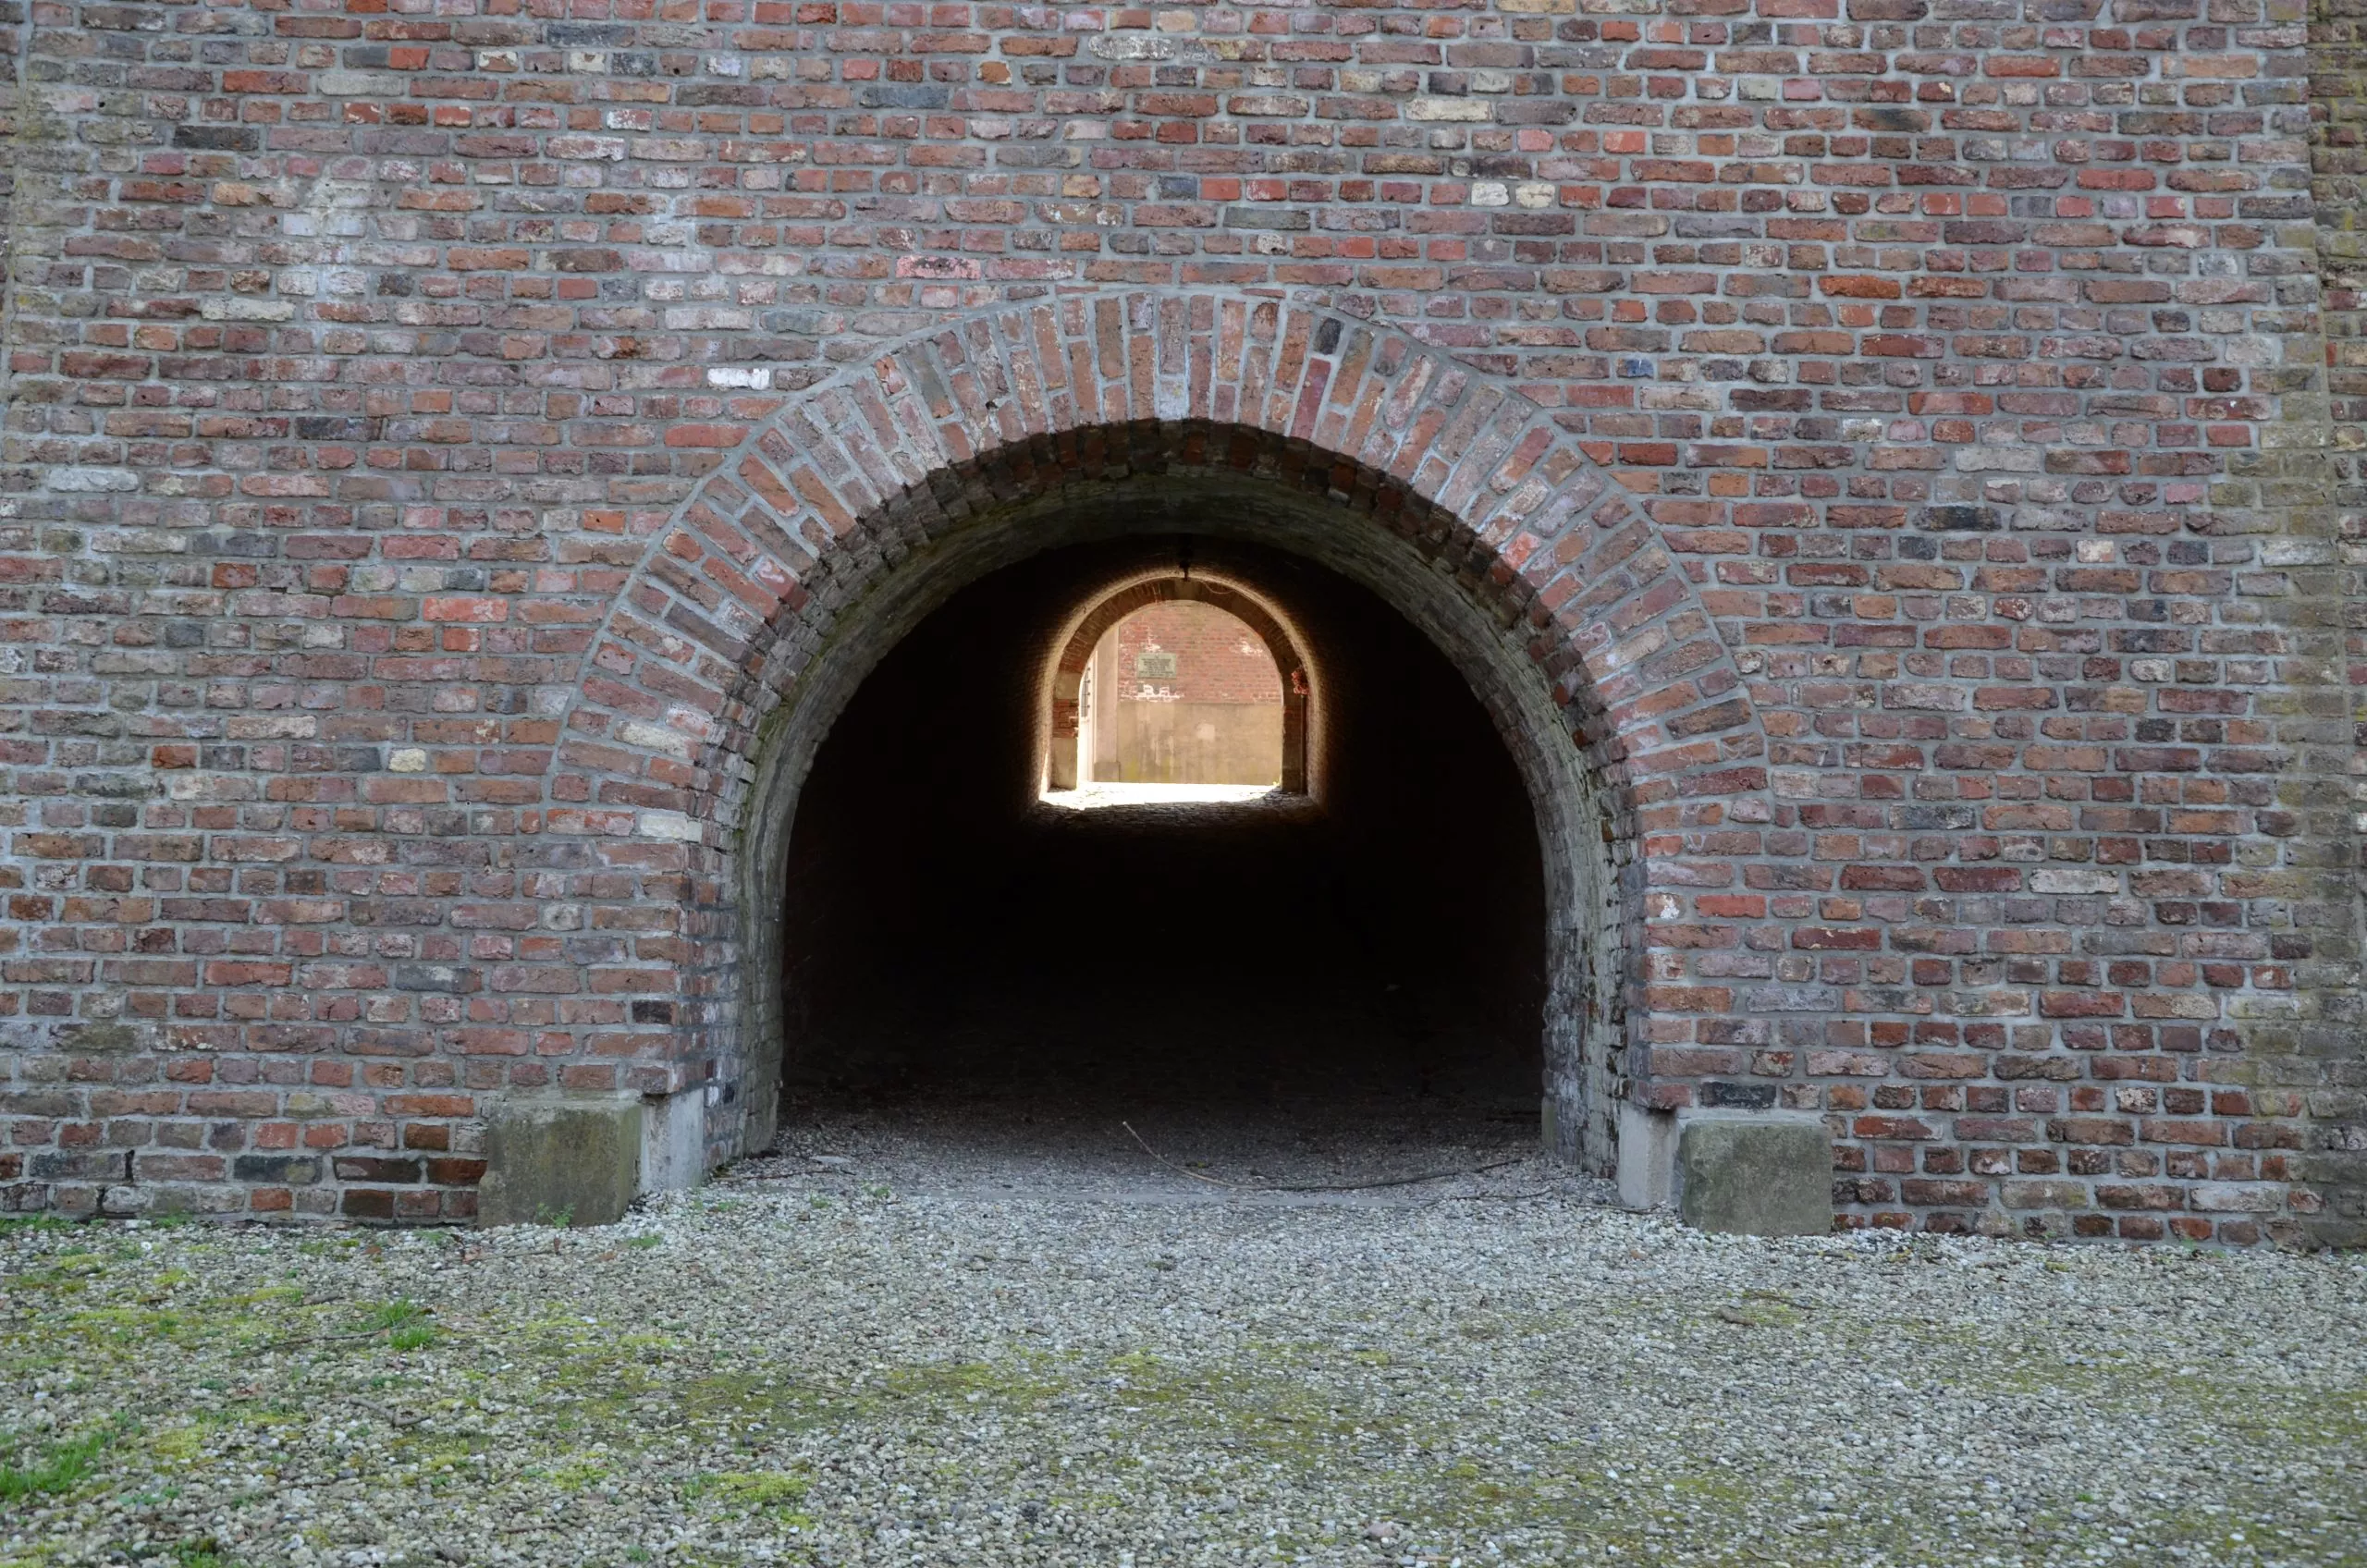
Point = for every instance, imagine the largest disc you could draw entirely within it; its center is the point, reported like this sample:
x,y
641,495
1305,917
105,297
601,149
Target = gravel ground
x,y
978,1342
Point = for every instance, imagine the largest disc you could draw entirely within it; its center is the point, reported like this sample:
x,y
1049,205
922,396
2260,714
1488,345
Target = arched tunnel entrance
x,y
1373,930
898,909
862,508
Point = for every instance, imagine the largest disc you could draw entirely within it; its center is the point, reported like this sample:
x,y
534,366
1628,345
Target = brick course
x,y
1901,438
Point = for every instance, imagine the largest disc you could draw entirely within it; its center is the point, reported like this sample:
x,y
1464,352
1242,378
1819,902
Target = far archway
x,y
1066,765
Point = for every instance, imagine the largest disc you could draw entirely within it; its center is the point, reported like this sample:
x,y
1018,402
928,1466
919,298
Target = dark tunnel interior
x,y
949,934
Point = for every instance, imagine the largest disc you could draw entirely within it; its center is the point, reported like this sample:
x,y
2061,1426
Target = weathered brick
x,y
1963,659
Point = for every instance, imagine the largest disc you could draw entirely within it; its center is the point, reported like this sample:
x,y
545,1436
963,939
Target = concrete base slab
x,y
673,1141
561,1161
1754,1175
1647,1157
1749,1173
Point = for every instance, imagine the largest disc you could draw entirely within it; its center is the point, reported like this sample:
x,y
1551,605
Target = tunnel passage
x,y
947,931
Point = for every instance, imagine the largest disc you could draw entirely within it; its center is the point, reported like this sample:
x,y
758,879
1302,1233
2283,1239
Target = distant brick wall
x,y
1898,432
1218,659
1188,695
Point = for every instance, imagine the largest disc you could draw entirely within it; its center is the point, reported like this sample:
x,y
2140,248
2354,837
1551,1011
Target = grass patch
x,y
972,1382
772,1493
759,1488
31,1224
389,1315
577,1474
181,1444
61,1468
70,1272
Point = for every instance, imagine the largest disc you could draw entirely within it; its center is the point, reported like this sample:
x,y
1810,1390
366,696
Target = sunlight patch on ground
x,y
1091,796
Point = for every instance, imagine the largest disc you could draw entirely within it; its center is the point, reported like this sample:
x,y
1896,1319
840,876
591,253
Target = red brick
x,y
1872,755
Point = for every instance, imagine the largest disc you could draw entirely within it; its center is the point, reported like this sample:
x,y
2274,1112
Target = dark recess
x,y
948,935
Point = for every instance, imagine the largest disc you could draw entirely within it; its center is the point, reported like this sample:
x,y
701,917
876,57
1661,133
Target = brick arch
x,y
844,516
1064,767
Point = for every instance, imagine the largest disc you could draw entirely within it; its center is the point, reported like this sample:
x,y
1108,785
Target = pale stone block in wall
x,y
1754,1175
1737,1172
553,1161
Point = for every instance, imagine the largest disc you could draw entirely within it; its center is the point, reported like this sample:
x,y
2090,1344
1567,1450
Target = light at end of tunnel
x,y
1089,797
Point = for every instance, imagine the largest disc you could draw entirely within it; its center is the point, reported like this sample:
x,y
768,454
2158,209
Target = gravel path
x,y
989,1342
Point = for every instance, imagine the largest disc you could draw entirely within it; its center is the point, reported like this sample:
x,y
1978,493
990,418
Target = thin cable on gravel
x,y
973,1338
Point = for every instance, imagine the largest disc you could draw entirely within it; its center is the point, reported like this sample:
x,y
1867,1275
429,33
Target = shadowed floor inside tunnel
x,y
952,934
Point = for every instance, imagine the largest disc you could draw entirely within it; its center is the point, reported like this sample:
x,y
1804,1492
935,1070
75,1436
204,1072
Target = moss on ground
x,y
354,1372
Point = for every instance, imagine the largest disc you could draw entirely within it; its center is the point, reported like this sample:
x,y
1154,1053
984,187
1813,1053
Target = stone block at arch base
x,y
561,1163
1729,1172
582,1159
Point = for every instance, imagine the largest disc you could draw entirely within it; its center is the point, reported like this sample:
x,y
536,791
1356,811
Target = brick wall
x,y
1898,433
1188,695
1218,659
2338,489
